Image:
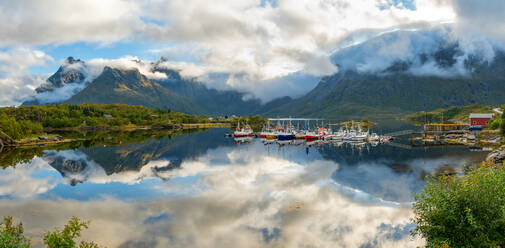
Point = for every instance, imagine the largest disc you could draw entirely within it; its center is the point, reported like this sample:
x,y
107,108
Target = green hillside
x,y
451,115
351,94
23,121
115,86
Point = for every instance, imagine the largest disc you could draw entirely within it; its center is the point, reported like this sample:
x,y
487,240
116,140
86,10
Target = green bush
x,y
495,124
66,238
463,211
11,235
18,129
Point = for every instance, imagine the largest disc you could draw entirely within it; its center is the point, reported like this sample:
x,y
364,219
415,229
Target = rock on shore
x,y
497,156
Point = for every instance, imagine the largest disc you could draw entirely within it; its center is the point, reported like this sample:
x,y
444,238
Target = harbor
x,y
284,132
303,131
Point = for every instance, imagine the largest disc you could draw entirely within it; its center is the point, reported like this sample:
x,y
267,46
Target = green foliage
x,y
66,238
20,122
452,114
18,129
495,124
502,124
466,211
11,235
14,157
256,122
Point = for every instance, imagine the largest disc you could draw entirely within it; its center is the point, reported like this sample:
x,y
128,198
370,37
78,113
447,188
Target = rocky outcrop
x,y
497,156
66,74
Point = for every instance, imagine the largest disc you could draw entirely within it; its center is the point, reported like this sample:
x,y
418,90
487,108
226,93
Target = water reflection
x,y
204,190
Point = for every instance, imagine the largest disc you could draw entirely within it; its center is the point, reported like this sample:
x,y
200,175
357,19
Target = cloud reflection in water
x,y
244,196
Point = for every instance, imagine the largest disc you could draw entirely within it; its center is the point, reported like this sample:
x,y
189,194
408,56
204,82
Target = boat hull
x,y
286,137
310,137
240,135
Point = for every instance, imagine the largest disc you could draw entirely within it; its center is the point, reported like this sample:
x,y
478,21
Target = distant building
x,y
482,120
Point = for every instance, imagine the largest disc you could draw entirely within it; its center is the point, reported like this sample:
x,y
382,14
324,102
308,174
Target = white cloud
x,y
36,22
243,198
252,46
17,182
247,41
16,82
241,44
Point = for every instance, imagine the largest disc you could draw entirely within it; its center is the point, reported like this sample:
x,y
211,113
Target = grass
x,y
456,114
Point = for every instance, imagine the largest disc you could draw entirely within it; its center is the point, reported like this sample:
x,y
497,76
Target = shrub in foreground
x,y
463,211
11,235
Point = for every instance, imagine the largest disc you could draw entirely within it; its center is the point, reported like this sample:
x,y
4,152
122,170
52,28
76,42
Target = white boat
x,y
245,131
374,137
360,135
350,135
243,139
339,135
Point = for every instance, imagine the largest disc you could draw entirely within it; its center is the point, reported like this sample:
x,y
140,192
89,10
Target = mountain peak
x,y
70,60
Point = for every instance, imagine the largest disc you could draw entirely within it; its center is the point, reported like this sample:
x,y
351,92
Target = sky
x,y
268,48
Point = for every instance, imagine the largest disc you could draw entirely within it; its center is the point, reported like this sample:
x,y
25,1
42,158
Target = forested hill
x,y
20,122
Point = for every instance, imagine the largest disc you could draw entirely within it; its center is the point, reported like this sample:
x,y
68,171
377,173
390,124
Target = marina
x,y
285,131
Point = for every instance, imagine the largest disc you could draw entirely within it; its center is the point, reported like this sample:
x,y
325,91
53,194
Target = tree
x,y
11,235
463,211
66,238
495,124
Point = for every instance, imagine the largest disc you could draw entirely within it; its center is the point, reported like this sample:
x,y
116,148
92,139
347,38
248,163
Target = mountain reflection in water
x,y
203,190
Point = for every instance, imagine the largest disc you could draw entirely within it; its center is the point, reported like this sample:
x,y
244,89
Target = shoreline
x,y
59,140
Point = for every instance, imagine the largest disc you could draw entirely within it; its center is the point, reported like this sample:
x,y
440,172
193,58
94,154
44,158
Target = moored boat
x,y
245,131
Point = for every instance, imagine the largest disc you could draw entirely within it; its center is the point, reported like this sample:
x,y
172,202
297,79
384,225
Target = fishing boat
x,y
245,131
373,137
311,135
360,135
286,133
243,139
350,135
300,134
263,133
339,135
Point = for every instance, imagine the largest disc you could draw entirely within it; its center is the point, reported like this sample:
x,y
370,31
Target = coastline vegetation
x,y
31,121
455,114
12,235
464,210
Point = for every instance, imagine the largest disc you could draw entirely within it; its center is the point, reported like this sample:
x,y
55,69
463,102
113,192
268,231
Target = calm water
x,y
204,190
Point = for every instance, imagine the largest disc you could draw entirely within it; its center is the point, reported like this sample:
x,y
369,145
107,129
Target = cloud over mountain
x,y
244,45
253,46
